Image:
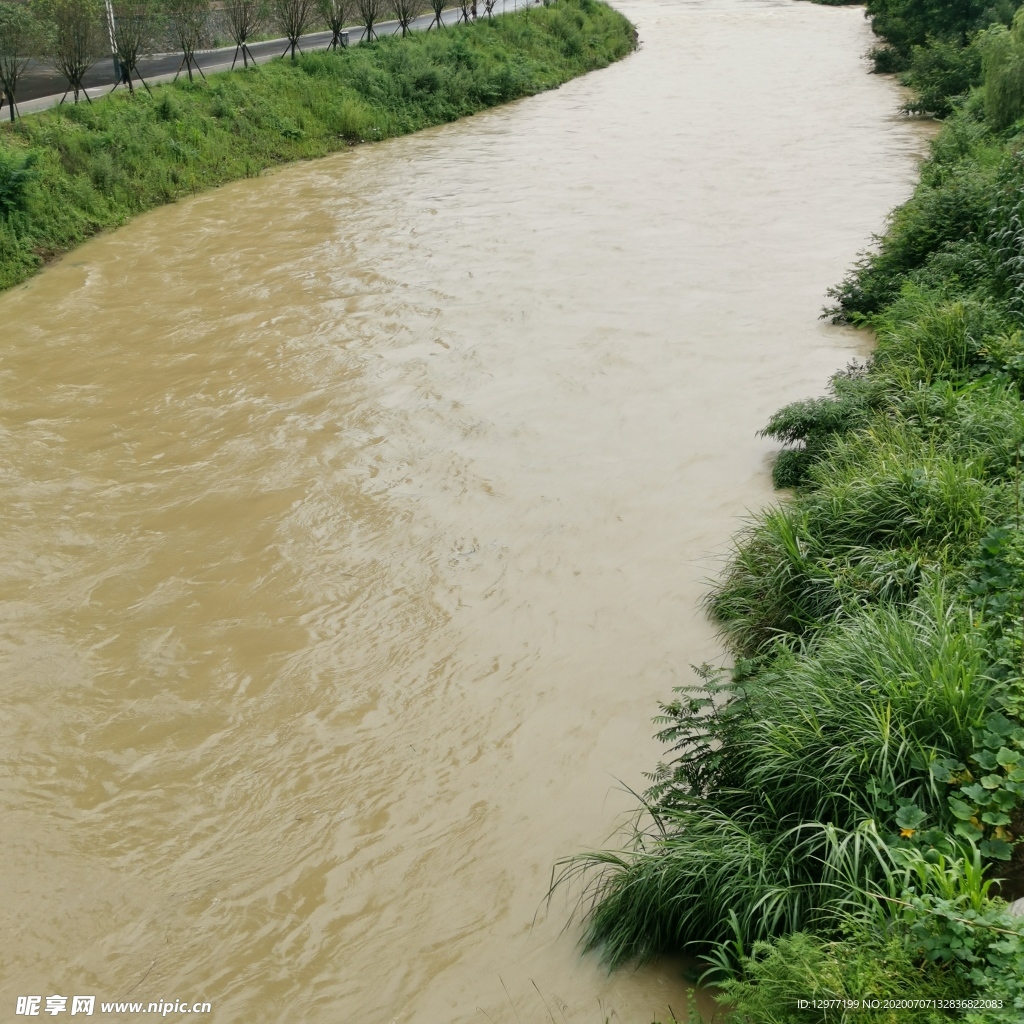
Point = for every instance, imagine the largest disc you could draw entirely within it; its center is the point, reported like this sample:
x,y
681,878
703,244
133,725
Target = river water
x,y
355,518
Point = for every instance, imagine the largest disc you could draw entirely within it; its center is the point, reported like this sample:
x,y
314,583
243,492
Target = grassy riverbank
x,y
70,172
842,814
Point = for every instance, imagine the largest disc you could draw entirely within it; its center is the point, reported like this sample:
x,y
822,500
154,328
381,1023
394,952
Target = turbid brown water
x,y
355,519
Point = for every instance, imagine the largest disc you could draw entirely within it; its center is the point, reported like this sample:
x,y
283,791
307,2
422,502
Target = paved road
x,y
42,87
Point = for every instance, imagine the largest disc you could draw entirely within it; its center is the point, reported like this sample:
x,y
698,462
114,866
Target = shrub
x,y
950,206
981,943
862,965
887,60
939,73
814,422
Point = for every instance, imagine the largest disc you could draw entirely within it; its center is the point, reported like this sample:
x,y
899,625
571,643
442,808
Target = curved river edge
x,y
93,167
840,815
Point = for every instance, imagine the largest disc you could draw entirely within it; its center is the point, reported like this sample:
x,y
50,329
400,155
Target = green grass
x,y
70,172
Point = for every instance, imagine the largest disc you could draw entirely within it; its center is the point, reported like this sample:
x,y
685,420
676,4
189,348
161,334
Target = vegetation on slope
x,y
938,45
72,171
841,814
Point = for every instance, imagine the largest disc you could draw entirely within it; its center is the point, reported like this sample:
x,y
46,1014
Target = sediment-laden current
x,y
355,518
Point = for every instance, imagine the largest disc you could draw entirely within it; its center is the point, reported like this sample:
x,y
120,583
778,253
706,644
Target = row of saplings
x,y
72,36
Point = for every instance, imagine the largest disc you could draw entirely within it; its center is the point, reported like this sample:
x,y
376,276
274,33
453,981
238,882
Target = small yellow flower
x,y
906,833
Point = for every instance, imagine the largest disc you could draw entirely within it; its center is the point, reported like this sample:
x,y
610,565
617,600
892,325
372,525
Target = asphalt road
x,y
43,87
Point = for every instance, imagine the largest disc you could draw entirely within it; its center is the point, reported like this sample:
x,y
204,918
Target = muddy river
x,y
355,518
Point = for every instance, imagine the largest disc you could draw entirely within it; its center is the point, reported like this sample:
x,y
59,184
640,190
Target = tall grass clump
x,y
787,785
93,167
840,814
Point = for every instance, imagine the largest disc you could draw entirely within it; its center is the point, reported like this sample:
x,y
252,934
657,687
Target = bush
x,y
860,966
950,206
905,24
939,73
982,945
887,60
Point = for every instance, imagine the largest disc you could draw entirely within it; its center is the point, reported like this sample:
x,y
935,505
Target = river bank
x,y
840,815
67,173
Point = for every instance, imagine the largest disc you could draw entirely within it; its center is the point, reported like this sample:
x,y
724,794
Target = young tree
x,y
1003,53
405,11
370,13
245,17
464,10
134,32
437,6
187,20
19,40
336,14
77,40
292,17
